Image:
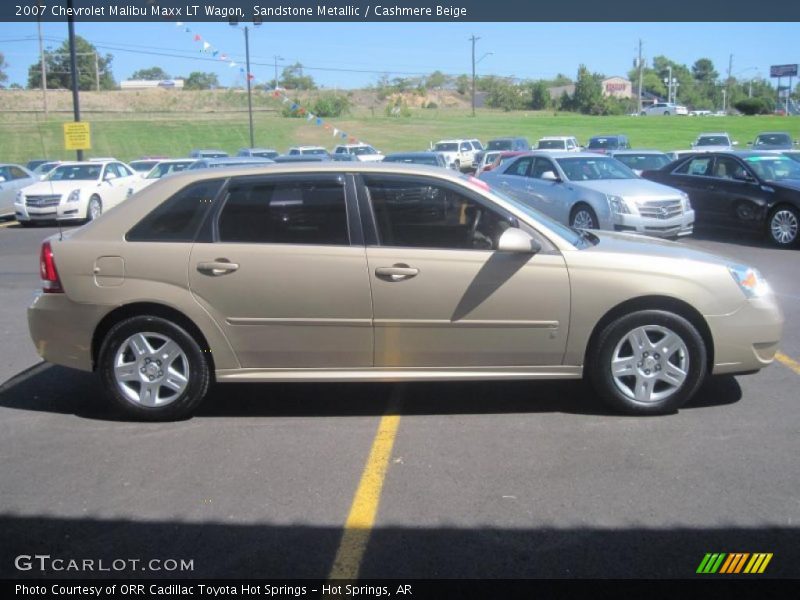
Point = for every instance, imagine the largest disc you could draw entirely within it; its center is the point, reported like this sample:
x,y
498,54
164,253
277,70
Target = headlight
x,y
618,205
687,205
74,196
750,281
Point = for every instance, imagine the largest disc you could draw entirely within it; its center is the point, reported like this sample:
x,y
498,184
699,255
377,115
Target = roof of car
x,y
422,153
637,151
712,133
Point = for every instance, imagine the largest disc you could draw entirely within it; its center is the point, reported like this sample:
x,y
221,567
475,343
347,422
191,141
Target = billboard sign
x,y
783,71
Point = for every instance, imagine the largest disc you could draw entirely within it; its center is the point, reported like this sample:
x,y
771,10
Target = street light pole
x,y
473,39
276,58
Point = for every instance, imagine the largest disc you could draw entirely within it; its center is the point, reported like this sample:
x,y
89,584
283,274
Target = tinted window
x,y
465,147
542,166
499,145
520,167
699,165
420,213
643,162
286,211
726,167
18,173
178,218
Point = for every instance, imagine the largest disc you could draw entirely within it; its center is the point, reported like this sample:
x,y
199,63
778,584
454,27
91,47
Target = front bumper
x,y
677,226
62,329
66,211
747,339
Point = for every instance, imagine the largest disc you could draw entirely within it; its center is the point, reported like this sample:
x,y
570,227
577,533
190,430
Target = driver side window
x,y
540,167
419,213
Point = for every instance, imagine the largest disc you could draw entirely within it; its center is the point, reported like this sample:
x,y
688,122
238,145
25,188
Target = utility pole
x,y
249,90
639,64
96,72
43,67
728,83
473,39
73,67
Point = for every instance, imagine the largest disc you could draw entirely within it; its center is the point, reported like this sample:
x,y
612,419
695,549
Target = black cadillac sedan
x,y
750,191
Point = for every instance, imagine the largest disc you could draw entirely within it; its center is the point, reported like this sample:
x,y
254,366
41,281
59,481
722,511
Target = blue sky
x,y
528,50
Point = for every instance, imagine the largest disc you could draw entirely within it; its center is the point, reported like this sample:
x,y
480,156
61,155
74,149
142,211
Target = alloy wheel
x,y
151,369
583,219
783,227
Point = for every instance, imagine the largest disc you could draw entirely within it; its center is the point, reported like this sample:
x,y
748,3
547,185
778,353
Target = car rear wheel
x,y
153,369
783,226
649,362
583,217
94,209
457,165
666,113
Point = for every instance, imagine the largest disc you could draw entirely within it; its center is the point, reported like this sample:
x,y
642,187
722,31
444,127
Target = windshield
x,y
713,140
314,151
44,168
774,168
644,162
477,145
774,139
499,145
162,169
603,142
75,172
362,150
551,145
143,166
446,147
593,169
416,160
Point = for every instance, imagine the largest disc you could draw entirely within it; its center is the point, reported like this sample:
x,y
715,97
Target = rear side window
x,y
179,218
311,210
696,166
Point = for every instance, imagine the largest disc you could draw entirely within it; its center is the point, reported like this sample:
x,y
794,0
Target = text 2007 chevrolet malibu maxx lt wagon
x,y
365,272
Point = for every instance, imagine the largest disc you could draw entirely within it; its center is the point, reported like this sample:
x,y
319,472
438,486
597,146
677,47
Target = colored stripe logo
x,y
734,563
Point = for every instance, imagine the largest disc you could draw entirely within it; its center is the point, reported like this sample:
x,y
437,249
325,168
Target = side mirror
x,y
550,176
517,241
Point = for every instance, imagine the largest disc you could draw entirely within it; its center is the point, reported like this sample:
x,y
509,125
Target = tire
x,y
643,113
583,217
457,165
658,384
152,369
94,209
666,113
783,226
26,223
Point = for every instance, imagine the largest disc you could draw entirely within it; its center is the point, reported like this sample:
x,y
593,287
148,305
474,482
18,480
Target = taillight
x,y
51,284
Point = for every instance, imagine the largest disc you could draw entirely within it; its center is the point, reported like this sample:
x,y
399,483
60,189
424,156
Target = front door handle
x,y
397,272
221,266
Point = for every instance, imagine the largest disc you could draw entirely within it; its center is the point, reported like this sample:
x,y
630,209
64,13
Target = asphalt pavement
x,y
439,480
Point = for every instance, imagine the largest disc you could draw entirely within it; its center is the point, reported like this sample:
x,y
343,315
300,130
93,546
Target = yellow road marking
x,y
364,508
788,362
7,223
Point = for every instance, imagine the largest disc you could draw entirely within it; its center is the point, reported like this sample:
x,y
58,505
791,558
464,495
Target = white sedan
x,y
665,109
12,178
75,191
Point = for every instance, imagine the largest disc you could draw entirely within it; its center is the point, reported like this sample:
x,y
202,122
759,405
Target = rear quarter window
x,y
177,219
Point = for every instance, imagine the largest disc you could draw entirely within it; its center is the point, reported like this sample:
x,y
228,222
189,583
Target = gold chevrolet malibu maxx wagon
x,y
372,272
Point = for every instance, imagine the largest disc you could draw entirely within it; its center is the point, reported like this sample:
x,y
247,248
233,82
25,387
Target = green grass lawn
x,y
129,136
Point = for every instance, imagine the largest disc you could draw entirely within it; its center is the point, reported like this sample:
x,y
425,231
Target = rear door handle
x,y
397,272
221,266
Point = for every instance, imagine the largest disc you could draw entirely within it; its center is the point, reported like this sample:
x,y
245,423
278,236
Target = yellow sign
x,y
77,136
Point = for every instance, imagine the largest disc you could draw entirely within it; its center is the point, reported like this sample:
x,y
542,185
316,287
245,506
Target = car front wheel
x,y
94,209
153,369
583,217
647,363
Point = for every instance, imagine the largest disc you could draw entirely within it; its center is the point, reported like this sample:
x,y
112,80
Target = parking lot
x,y
438,480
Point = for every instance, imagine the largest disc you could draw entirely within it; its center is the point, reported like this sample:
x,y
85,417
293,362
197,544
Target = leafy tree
x,y
293,78
330,105
505,95
58,68
198,80
588,96
540,97
151,74
462,84
436,80
703,71
753,106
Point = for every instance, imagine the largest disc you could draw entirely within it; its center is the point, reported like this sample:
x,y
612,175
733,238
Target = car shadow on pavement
x,y
50,388
726,236
266,550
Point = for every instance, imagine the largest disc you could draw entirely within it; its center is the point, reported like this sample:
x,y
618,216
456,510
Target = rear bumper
x,y
747,340
62,329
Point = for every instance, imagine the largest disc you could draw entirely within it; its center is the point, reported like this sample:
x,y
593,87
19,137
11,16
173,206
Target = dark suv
x,y
604,143
505,144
